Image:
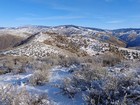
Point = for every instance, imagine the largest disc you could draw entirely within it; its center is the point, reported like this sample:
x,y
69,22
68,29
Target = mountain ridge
x,y
125,37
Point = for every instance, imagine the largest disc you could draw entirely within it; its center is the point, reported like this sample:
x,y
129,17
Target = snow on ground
x,y
54,93
41,37
36,49
18,79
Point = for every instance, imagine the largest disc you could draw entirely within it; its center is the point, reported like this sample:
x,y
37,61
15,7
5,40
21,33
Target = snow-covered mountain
x,y
131,36
123,37
67,65
69,38
98,34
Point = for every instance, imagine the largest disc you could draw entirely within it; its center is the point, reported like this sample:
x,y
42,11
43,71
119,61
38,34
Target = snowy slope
x,y
35,49
54,93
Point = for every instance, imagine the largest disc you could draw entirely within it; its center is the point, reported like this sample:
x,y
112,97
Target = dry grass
x,y
9,41
41,76
64,43
110,59
11,95
14,64
117,42
100,87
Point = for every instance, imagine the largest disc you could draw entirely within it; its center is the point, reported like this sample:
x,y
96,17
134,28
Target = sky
x,y
106,14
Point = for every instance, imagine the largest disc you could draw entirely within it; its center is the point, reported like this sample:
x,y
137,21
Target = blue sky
x,y
107,14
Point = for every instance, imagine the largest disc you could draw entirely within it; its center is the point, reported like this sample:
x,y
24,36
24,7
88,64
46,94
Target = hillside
x,y
67,65
131,36
9,41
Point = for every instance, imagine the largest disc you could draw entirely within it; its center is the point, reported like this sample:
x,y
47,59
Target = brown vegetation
x,y
116,42
99,87
10,95
14,64
41,76
64,43
9,41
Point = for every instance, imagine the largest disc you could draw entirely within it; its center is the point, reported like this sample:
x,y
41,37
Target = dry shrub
x,y
82,79
3,72
87,59
14,64
52,60
67,88
48,42
113,90
61,60
90,72
99,87
110,59
65,43
131,63
41,76
68,61
11,95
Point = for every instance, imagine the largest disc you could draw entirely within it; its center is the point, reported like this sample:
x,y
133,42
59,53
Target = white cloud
x,y
49,18
114,21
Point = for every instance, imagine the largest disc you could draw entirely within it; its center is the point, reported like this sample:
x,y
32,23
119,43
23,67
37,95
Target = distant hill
x,y
131,36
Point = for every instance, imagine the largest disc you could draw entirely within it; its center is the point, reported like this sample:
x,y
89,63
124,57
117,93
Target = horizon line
x,y
67,25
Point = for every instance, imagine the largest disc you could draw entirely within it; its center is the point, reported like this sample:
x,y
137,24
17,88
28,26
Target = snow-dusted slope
x,y
91,46
54,94
72,48
36,49
69,30
64,40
